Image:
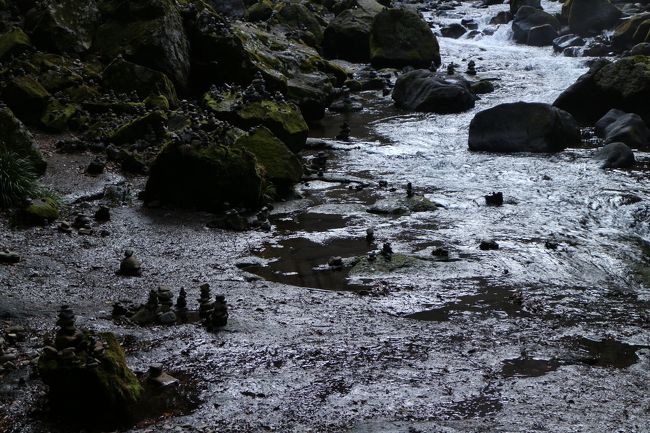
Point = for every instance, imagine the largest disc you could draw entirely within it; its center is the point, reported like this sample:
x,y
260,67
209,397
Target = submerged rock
x,y
523,127
402,206
423,90
401,38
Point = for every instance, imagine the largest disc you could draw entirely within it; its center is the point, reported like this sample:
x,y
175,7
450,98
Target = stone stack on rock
x,y
130,265
205,302
86,373
165,314
218,317
181,304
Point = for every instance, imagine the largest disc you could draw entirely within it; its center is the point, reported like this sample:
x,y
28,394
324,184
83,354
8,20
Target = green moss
x,y
26,97
281,166
41,210
383,266
141,127
159,102
15,138
13,42
124,77
57,116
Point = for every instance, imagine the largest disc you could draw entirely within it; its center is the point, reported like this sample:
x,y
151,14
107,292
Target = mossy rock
x,y
14,42
65,26
284,119
140,128
153,37
281,166
15,137
587,17
401,38
380,265
104,392
27,98
210,177
627,33
117,107
260,11
157,102
40,211
57,116
296,17
124,77
347,36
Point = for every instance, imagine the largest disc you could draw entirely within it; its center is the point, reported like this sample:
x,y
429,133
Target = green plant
x,y
18,180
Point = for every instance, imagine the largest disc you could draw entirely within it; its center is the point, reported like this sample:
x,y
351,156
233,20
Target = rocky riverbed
x,y
384,294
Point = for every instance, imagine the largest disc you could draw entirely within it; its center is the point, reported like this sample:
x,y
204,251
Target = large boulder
x,y
523,127
616,155
280,165
347,36
15,138
422,90
588,17
624,84
528,18
282,118
633,31
515,5
208,176
401,38
628,128
64,26
123,76
541,36
230,8
148,33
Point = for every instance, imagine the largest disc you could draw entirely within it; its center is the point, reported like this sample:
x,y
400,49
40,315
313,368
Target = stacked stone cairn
x,y
86,372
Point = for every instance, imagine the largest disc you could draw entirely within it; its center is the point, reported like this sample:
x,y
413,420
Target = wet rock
x,y
503,17
528,18
624,84
494,199
628,128
130,265
230,220
587,17
422,90
541,36
402,206
482,87
259,11
523,127
563,42
148,313
282,167
15,137
441,253
642,49
7,256
344,133
157,377
401,38
346,104
515,5
82,221
616,155
205,302
634,30
297,18
454,31
488,245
